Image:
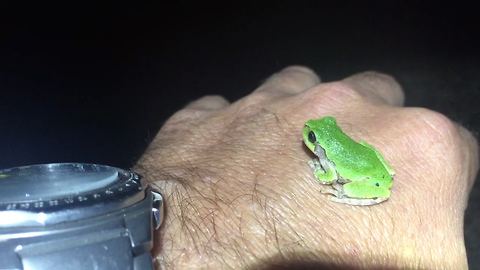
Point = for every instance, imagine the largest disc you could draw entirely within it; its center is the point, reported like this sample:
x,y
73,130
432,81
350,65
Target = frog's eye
x,y
311,137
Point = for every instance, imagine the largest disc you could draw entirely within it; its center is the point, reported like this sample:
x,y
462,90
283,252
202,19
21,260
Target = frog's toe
x,y
332,191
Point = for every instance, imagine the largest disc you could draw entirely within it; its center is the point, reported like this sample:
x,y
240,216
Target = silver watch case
x,y
76,216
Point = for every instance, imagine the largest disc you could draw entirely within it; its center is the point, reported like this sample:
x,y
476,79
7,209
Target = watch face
x,y
40,182
76,188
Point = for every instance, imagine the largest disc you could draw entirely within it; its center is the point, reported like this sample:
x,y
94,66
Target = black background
x,y
84,82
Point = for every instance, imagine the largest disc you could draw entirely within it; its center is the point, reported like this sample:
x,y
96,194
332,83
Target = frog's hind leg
x,y
339,196
353,201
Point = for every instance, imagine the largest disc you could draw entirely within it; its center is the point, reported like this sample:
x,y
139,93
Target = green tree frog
x,y
355,172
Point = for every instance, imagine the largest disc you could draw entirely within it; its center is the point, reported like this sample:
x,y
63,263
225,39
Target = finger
x,y
291,80
378,86
471,155
194,112
208,103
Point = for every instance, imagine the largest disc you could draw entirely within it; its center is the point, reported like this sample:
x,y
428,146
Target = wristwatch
x,y
76,216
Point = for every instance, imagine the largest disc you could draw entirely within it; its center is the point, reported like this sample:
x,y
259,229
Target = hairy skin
x,y
240,195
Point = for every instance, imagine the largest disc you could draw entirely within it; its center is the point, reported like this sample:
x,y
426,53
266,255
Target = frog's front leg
x,y
323,170
334,189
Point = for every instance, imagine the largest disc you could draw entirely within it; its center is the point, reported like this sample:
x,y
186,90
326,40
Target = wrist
x,y
205,226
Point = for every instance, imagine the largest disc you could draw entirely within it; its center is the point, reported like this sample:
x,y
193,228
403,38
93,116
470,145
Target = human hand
x,y
239,192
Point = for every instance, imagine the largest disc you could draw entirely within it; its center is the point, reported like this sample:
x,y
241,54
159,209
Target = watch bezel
x,y
124,191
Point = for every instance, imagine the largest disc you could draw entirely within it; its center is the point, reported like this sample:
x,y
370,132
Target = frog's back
x,y
350,157
354,157
362,161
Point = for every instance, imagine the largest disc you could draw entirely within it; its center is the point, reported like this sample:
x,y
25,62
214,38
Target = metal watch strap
x,y
120,240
